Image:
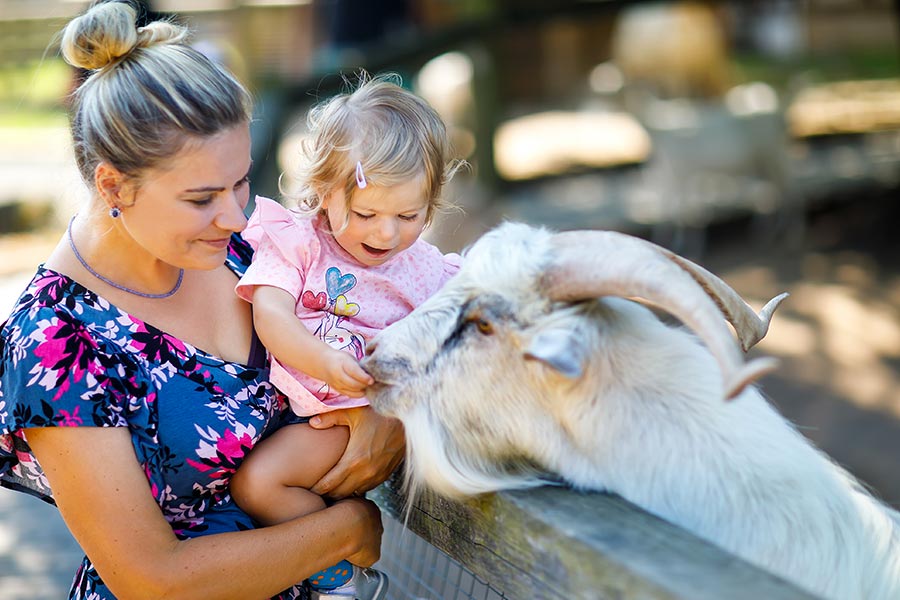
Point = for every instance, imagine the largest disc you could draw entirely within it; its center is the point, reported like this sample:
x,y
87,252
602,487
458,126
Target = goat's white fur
x,y
608,397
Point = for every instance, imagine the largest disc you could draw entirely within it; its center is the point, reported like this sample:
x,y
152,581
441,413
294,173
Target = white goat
x,y
516,368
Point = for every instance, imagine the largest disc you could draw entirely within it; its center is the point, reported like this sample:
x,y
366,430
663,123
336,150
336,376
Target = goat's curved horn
x,y
749,325
589,264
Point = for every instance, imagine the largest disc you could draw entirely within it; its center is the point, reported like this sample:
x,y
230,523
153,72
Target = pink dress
x,y
339,300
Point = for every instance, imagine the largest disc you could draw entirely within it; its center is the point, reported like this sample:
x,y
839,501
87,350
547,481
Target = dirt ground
x,y
838,335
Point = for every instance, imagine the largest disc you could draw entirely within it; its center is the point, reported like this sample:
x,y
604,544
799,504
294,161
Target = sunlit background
x,y
761,139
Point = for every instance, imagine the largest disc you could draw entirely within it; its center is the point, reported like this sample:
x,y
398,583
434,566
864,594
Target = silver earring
x,y
114,212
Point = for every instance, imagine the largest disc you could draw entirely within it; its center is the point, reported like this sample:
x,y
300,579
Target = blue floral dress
x,y
69,358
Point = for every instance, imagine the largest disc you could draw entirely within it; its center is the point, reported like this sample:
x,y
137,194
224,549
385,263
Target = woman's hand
x,y
369,534
377,445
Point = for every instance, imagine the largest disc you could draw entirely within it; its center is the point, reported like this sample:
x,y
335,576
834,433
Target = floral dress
x,y
69,358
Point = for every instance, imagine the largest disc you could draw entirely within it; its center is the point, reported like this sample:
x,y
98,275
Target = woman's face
x,y
382,221
184,212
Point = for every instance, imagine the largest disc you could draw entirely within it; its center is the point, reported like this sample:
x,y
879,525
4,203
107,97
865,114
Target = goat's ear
x,y
560,349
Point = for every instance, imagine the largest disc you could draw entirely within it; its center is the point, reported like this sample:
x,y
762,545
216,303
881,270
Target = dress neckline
x,y
75,288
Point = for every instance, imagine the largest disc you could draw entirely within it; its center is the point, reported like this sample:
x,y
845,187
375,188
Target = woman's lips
x,y
218,244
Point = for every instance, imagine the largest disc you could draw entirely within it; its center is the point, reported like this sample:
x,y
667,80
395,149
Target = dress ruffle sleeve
x,y
274,224
55,371
282,241
452,264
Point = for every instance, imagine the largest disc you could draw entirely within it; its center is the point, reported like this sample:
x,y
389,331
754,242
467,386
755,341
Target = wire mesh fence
x,y
419,571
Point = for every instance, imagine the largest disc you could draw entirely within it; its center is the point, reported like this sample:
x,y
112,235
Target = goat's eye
x,y
484,327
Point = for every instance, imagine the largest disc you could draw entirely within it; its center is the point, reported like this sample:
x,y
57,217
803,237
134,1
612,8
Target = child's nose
x,y
387,230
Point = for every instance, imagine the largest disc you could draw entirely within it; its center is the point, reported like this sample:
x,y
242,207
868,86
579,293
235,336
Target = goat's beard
x,y
435,461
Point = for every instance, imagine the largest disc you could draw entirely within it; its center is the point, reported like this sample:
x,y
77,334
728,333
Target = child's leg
x,y
272,483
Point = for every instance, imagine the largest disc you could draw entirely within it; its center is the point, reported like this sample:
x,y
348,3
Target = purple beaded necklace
x,y
113,283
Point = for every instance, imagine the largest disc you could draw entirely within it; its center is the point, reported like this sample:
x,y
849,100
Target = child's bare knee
x,y
252,483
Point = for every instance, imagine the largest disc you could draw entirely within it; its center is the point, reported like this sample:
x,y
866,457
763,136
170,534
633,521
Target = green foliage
x,y
820,68
33,94
42,83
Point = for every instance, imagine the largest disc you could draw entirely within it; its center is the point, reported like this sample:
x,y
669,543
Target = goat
x,y
534,359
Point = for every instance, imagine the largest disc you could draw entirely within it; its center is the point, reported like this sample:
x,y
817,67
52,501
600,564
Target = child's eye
x,y
362,216
411,217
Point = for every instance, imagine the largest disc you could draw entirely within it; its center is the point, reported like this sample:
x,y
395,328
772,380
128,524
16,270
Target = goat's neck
x,y
737,474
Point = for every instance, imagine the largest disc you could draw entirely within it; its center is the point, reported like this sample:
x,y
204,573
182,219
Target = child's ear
x,y
325,198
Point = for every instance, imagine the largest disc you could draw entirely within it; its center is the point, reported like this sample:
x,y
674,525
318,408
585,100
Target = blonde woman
x,y
330,274
132,384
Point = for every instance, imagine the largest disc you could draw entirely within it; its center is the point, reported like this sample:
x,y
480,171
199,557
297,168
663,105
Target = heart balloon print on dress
x,y
338,284
344,308
314,301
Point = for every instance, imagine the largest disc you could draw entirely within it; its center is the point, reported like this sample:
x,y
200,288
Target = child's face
x,y
383,221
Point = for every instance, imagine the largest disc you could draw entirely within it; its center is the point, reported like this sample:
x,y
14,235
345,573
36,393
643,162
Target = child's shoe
x,y
365,584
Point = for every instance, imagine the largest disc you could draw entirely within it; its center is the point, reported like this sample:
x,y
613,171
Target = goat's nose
x,y
370,348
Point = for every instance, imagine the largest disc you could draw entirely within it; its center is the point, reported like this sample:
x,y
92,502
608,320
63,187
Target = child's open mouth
x,y
375,252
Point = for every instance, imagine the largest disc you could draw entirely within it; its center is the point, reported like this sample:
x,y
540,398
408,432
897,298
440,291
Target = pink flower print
x,y
70,419
220,454
67,353
154,489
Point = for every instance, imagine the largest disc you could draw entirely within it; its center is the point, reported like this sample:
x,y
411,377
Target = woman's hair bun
x,y
108,31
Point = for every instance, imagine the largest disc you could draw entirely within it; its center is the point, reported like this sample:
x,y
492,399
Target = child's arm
x,y
285,336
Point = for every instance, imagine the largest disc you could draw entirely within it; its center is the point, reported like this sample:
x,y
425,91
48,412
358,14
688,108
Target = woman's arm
x,y
285,336
377,445
105,499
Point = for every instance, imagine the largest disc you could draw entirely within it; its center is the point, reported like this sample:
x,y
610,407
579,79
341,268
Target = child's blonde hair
x,y
393,134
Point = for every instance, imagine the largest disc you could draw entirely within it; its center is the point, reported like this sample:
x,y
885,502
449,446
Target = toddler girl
x,y
327,276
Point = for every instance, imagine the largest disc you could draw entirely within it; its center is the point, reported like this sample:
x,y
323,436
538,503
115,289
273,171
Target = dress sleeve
x,y
269,267
282,244
452,264
56,372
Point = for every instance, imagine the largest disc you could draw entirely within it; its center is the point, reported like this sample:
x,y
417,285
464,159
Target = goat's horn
x,y
589,264
749,325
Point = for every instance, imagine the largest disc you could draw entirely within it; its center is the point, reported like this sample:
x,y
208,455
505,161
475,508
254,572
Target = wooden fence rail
x,y
556,543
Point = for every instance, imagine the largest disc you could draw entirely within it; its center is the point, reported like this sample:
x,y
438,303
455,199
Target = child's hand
x,y
345,376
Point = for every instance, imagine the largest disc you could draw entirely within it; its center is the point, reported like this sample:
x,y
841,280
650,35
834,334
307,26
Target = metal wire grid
x,y
419,571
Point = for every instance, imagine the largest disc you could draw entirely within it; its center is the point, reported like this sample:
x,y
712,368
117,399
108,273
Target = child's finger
x,y
359,375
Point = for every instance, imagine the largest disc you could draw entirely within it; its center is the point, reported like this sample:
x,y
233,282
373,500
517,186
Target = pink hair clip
x,y
360,176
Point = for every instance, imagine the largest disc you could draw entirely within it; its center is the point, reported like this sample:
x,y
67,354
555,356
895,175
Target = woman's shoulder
x,y
54,306
50,292
64,345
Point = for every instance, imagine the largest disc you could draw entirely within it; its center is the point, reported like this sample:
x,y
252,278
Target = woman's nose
x,y
232,217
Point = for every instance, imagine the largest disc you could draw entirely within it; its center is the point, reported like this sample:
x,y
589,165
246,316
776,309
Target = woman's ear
x,y
110,184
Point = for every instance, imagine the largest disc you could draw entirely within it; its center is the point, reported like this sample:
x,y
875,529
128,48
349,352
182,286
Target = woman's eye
x,y
242,182
202,201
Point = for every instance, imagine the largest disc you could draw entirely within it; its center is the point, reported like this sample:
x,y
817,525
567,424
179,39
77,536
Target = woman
x,y
131,383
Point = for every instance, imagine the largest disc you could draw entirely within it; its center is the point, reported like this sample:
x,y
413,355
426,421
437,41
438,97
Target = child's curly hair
x,y
391,132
